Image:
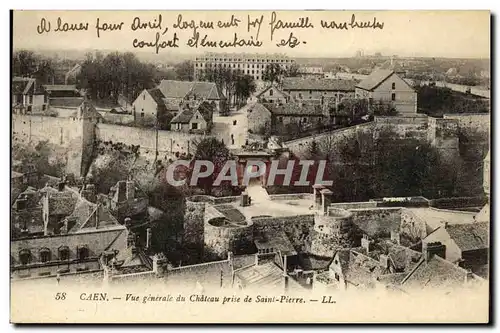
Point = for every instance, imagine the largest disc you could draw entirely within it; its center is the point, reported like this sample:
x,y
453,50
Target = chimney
x,y
130,190
431,249
122,189
395,237
469,276
365,243
61,185
326,200
159,261
317,195
384,261
148,238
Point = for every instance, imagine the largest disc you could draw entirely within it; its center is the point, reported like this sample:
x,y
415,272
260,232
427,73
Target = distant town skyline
x,y
440,34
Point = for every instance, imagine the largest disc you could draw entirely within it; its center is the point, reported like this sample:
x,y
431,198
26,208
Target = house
x,y
466,244
63,99
259,119
149,108
58,231
387,86
299,115
306,89
194,120
272,94
27,96
164,102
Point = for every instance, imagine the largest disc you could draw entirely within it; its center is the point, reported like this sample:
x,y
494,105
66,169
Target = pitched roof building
x,y
386,86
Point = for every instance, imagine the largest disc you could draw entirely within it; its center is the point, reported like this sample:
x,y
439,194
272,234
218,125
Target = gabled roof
x,y
258,107
267,275
157,95
295,109
436,272
185,115
292,83
23,85
471,236
60,87
272,87
182,89
375,79
87,213
86,110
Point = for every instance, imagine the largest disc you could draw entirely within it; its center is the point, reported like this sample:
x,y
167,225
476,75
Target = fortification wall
x,y
472,123
169,142
194,220
298,228
376,220
220,240
332,232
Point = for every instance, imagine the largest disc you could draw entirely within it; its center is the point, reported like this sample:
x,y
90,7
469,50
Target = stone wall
x,y
193,231
412,226
377,220
220,240
332,232
298,228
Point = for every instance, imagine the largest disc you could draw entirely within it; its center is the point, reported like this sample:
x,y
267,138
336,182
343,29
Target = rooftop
x,y
318,84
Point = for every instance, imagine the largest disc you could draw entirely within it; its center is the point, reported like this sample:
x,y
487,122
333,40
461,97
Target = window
x,y
336,262
63,253
393,96
83,253
300,95
304,120
25,257
45,255
280,119
194,126
234,122
394,85
196,116
143,97
271,92
310,92
142,114
337,277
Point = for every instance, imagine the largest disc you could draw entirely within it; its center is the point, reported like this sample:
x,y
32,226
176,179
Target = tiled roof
x,y
276,241
84,210
183,117
374,79
437,272
273,87
359,270
60,87
157,95
258,107
171,105
295,109
318,84
471,236
207,274
61,203
267,275
65,102
22,85
182,89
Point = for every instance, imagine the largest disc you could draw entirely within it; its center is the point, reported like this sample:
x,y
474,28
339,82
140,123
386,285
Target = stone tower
x,y
83,123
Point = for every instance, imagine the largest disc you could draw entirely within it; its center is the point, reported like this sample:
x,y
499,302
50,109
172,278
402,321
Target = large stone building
x,y
158,106
57,231
249,64
318,89
386,86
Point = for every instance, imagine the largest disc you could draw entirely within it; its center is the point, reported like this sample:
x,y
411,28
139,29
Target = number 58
x,y
60,296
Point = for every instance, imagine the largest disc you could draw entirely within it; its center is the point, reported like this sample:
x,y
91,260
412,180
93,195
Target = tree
x,y
24,63
236,86
28,64
244,88
184,71
292,71
105,78
215,151
273,73
382,108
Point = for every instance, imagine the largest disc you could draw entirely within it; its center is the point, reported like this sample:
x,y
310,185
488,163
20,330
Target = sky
x,y
456,34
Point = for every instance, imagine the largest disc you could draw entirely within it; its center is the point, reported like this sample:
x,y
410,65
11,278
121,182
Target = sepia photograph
x,y
250,166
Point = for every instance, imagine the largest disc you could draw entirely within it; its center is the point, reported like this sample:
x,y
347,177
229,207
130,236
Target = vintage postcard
x,y
250,167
